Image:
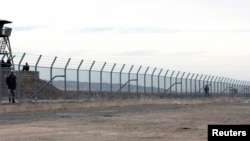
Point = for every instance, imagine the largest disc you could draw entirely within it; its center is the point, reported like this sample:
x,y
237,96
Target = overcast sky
x,y
199,36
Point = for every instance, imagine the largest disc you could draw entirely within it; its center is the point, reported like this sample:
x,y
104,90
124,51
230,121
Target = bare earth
x,y
163,122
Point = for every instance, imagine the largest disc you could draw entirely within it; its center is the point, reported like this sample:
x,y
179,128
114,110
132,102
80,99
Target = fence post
x,y
101,76
230,84
129,78
78,68
65,77
244,87
233,84
121,75
248,86
165,77
51,75
137,82
145,80
239,85
39,58
152,81
204,81
215,84
211,81
221,84
90,69
186,82
236,84
159,81
218,85
176,79
191,83
19,78
171,81
200,82
195,83
208,79
111,78
181,80
227,83
224,84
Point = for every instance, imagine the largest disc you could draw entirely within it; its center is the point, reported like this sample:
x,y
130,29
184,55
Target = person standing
x,y
206,90
11,82
26,67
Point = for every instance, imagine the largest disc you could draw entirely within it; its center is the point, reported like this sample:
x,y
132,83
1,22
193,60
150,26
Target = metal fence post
x,y
224,84
240,86
65,77
200,83
218,85
195,83
248,87
159,81
90,69
191,83
227,83
145,80
165,77
208,79
78,68
233,84
215,84
204,81
211,81
121,76
236,84
19,79
137,82
39,58
51,73
176,79
171,81
181,80
221,84
101,76
230,84
152,81
111,78
186,82
129,78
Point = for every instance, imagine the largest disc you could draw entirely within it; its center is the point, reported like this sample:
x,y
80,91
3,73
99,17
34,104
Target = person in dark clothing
x,y
11,82
8,63
26,67
206,89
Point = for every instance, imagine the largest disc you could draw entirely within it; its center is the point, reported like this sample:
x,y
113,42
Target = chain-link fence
x,y
52,78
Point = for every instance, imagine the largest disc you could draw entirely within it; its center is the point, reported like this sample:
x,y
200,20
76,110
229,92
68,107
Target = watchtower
x,y
5,48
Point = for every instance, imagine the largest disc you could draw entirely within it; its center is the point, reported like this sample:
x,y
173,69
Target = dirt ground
x,y
154,122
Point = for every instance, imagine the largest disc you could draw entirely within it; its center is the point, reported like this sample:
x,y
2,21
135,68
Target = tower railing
x,y
5,32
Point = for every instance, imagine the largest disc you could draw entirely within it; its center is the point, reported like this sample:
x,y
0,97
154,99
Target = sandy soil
x,y
162,122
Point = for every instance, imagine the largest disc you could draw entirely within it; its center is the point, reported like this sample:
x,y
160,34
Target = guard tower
x,y
5,48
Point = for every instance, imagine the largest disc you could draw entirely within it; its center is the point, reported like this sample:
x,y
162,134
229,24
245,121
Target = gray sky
x,y
199,36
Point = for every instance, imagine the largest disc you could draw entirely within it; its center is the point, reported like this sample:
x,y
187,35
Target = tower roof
x,y
2,22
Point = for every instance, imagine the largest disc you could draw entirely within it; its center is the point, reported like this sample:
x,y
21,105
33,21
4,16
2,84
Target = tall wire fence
x,y
53,78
